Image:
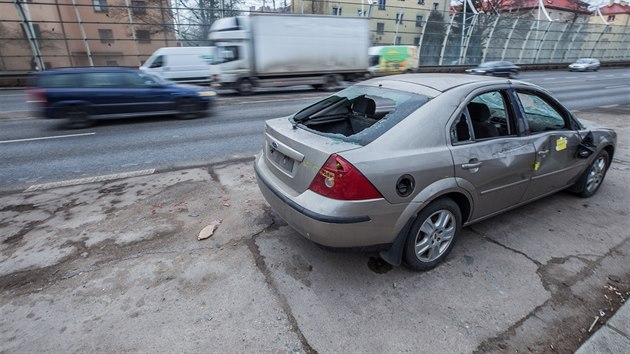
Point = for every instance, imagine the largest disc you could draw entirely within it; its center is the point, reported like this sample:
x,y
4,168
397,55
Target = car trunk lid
x,y
295,155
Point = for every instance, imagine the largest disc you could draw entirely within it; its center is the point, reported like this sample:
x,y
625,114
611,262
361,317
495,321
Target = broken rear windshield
x,y
358,114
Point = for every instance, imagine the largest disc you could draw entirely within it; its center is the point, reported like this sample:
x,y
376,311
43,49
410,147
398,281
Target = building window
x,y
100,5
399,18
361,13
36,31
138,7
418,21
380,27
436,5
611,18
398,40
336,11
106,36
381,4
143,36
420,2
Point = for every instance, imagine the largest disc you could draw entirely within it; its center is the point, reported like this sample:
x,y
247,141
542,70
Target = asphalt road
x,y
34,151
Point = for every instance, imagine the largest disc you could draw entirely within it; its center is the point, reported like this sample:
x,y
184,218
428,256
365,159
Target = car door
x,y
147,93
555,136
104,92
497,168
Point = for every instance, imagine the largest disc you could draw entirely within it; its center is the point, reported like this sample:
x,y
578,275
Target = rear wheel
x,y
77,117
187,108
433,234
245,87
593,177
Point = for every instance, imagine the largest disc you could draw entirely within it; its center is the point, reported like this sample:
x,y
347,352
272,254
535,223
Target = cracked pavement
x,y
116,266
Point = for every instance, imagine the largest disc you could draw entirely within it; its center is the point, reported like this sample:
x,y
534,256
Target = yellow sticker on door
x,y
561,143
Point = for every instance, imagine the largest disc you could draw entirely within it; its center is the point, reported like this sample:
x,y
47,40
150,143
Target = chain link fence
x,y
42,34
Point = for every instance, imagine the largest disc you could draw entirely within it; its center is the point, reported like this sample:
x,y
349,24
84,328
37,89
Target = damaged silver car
x,y
400,164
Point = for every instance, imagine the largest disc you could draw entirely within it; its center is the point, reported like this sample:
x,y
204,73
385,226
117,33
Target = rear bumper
x,y
328,222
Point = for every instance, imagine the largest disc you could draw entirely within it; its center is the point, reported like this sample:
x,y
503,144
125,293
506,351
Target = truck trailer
x,y
279,50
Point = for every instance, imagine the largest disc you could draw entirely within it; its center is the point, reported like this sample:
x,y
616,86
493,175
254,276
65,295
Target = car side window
x,y
139,80
158,62
490,116
539,114
460,130
102,80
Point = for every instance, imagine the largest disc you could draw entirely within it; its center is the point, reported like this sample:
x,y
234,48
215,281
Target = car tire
x,y
245,87
593,177
77,117
432,234
187,108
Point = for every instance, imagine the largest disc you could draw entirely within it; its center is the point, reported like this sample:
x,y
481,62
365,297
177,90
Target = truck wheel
x,y
77,117
245,87
330,83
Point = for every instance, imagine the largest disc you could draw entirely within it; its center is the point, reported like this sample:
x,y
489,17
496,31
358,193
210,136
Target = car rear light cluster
x,y
338,179
37,97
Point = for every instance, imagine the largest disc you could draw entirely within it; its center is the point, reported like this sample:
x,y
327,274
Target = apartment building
x,y
391,21
82,32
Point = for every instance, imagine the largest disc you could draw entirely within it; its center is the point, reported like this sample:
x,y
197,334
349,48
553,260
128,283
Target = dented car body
x,y
399,164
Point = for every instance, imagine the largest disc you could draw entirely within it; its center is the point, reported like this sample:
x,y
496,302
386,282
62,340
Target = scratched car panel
x,y
399,164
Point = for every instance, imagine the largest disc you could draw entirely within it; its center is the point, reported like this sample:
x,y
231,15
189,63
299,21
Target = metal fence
x,y
41,34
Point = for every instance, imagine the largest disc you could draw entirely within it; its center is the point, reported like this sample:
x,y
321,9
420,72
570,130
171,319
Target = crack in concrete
x,y
259,260
560,291
486,238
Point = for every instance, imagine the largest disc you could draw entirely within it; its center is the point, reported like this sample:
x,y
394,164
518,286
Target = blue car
x,y
81,95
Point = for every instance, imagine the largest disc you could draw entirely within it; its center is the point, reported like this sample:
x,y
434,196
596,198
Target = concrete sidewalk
x,y
115,266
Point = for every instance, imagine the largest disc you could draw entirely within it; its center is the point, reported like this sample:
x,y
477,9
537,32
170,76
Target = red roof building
x,y
616,13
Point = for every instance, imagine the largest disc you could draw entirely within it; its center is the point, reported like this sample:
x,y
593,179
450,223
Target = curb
x,y
613,337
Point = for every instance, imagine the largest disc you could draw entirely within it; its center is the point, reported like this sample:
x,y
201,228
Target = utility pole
x,y
461,48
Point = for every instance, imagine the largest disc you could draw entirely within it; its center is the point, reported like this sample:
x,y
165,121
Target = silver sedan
x,y
400,164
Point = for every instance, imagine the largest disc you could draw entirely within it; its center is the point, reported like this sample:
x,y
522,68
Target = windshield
x,y
359,114
583,61
374,59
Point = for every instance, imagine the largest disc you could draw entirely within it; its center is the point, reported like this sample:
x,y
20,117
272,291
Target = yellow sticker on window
x,y
536,166
561,143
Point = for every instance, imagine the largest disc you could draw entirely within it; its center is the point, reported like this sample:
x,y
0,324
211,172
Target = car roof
x,y
438,82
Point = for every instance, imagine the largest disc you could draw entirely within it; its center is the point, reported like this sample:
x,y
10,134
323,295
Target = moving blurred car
x,y
496,68
81,95
585,64
400,164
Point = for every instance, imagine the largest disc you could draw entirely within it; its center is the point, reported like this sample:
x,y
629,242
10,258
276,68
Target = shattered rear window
x,y
358,114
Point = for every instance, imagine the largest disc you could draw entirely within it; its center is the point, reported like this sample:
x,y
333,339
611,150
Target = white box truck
x,y
181,64
278,50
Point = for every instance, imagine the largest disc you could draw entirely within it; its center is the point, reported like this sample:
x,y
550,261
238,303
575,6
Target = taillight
x,y
338,179
37,97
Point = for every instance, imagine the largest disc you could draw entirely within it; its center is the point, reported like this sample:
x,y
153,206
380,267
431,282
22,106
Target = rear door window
x,y
60,81
103,80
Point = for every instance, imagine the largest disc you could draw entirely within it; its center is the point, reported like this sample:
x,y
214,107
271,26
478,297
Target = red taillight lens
x,y
338,179
37,97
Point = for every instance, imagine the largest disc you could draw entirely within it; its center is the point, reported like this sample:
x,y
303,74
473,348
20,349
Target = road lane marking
x,y
78,181
45,138
610,106
614,87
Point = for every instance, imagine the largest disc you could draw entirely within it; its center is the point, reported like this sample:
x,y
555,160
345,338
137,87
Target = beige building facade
x,y
82,33
391,21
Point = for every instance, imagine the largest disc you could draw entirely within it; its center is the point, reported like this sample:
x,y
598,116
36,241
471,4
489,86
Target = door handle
x,y
470,166
543,152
